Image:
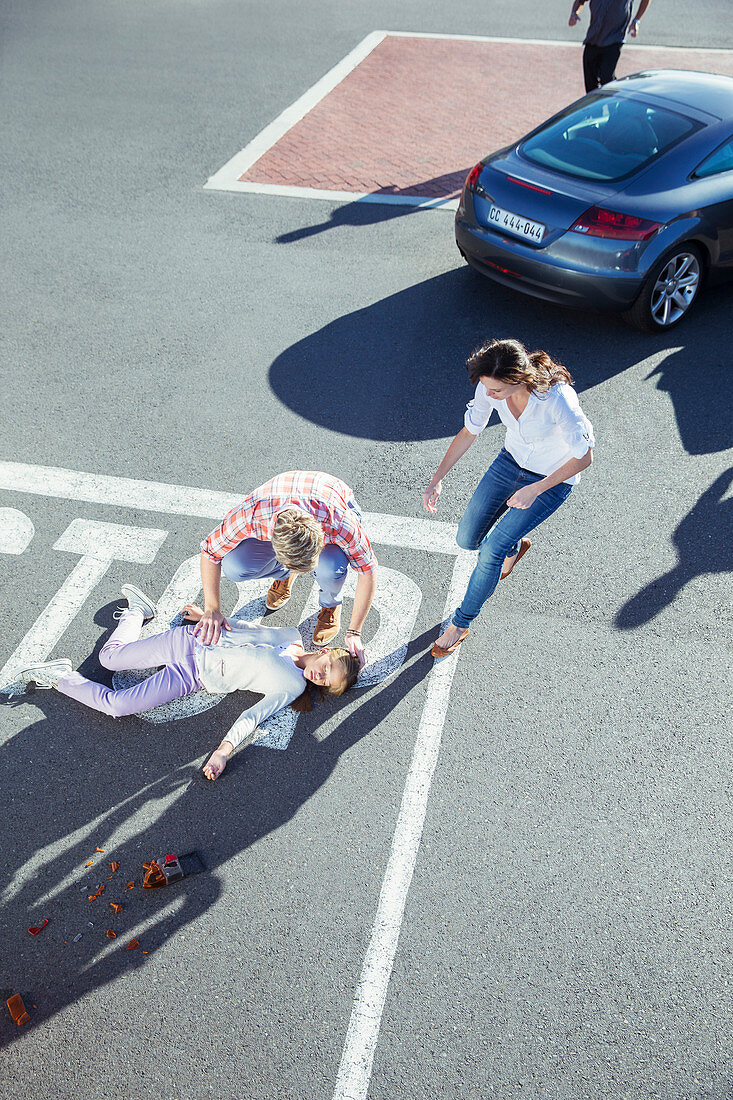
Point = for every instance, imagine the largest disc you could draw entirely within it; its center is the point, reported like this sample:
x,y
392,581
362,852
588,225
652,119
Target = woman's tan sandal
x,y
523,548
443,651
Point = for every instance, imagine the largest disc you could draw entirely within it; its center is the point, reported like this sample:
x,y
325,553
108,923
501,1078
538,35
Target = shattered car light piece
x,y
17,1009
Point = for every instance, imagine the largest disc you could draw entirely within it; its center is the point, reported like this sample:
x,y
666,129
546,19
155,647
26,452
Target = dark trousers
x,y
599,65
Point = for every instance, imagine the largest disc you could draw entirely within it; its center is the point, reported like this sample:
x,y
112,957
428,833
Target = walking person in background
x,y
609,22
548,442
297,522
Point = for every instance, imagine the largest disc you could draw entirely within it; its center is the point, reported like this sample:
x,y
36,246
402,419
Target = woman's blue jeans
x,y
495,530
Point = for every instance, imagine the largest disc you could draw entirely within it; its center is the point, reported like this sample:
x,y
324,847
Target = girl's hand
x,y
216,763
523,498
430,496
192,613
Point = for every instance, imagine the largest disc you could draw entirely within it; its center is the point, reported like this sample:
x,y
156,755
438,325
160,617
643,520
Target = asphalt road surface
x,y
500,876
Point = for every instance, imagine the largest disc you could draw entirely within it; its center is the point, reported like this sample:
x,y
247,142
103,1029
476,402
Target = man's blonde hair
x,y
297,539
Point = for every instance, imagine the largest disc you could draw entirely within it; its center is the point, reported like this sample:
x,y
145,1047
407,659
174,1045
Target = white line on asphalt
x,y
361,1039
554,42
98,544
54,619
408,532
271,134
290,192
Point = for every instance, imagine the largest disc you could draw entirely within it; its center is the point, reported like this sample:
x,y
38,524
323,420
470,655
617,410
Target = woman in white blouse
x,y
270,661
549,441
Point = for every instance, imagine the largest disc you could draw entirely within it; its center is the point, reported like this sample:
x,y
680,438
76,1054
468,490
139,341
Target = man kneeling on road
x,y
297,522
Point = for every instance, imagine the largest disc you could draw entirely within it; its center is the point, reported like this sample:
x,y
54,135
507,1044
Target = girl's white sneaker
x,y
46,675
138,601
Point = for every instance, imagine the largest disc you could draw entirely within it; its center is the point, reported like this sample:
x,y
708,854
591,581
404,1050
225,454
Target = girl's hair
x,y
349,666
297,539
509,361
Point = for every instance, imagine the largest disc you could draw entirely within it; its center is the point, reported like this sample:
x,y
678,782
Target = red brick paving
x,y
417,113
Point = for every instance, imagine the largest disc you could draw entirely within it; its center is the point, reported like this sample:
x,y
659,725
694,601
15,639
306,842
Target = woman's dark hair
x,y
509,361
348,664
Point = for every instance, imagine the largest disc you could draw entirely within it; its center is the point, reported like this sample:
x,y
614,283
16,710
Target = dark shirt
x,y
609,20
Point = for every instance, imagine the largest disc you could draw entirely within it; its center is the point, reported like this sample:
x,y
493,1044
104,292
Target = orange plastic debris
x,y
17,1009
89,864
133,945
153,874
99,849
110,934
114,866
130,885
117,908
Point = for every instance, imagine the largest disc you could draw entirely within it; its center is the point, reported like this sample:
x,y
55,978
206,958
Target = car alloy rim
x,y
675,288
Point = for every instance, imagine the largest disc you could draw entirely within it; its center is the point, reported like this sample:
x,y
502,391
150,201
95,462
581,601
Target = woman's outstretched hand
x,y
430,496
216,763
523,498
210,626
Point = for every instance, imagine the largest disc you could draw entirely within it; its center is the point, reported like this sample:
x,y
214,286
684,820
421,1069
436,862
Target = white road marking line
x,y
554,42
291,192
16,531
271,134
407,532
361,1039
54,619
99,545
151,496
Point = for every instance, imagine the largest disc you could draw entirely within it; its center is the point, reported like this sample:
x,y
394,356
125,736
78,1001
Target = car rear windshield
x,y
606,137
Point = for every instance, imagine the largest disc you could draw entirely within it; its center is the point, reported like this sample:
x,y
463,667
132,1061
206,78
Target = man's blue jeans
x,y
495,530
252,559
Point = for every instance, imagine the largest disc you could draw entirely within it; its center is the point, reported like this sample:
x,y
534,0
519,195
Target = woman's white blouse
x,y
551,430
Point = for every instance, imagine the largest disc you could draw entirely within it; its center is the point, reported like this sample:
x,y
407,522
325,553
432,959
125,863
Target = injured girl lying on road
x,y
270,661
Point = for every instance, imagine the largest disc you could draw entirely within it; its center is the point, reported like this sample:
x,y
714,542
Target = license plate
x,y
515,223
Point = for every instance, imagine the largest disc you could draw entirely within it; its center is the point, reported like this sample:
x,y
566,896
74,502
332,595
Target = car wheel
x,y
669,291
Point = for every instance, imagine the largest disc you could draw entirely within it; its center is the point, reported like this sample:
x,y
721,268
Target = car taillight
x,y
597,222
472,177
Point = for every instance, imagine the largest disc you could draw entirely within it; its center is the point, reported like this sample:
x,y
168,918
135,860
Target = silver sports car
x,y
623,201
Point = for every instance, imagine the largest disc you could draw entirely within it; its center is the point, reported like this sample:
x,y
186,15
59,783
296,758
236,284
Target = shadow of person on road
x,y
364,212
695,389
77,780
704,542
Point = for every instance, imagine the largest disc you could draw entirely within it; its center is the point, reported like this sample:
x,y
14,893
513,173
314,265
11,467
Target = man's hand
x,y
573,19
209,628
634,28
523,498
356,648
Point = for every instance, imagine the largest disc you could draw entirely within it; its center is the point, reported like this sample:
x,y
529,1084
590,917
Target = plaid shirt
x,y
324,497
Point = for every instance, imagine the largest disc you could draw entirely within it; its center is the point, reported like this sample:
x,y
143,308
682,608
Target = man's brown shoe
x,y
279,592
327,627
